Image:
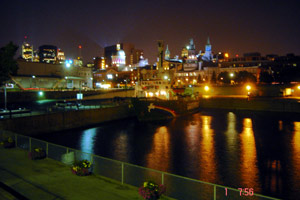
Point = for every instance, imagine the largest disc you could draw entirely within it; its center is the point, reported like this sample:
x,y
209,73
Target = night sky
x,y
240,26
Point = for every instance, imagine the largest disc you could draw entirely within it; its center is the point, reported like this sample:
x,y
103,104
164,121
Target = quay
x,y
48,179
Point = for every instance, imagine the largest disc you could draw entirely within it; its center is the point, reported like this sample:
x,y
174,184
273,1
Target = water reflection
x,y
87,142
296,155
231,133
121,147
249,169
159,157
207,151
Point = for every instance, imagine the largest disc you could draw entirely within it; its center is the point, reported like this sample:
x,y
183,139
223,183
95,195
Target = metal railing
x,y
178,187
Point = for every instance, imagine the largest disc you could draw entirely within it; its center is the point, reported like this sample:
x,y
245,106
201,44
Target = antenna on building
x,y
79,51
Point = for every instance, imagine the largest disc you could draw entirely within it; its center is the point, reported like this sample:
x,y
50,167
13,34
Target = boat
x,y
156,100
150,109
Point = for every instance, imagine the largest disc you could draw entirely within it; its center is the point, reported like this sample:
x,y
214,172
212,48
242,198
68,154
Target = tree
x,y
244,76
8,65
224,77
265,77
213,77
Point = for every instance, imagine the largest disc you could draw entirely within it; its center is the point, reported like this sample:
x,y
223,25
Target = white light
x,y
151,94
68,65
163,92
109,76
206,88
33,76
165,77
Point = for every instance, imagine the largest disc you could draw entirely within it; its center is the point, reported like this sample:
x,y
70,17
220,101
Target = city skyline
x,y
253,26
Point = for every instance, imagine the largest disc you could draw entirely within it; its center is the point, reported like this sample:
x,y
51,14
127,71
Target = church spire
x,y
167,53
208,42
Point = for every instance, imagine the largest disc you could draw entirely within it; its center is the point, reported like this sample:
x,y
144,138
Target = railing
x,y
178,187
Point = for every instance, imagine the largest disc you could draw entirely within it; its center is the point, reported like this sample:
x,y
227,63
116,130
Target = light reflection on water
x,y
228,148
248,160
160,152
207,151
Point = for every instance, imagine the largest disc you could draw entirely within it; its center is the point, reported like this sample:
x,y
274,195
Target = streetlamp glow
x,y
206,88
298,87
248,87
231,74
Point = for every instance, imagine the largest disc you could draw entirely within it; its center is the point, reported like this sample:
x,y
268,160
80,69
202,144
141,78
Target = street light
x,y
206,88
248,88
231,74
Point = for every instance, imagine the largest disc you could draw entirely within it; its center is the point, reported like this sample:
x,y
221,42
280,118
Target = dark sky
x,y
235,26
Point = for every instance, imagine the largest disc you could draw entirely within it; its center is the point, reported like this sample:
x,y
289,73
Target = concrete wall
x,y
26,96
65,120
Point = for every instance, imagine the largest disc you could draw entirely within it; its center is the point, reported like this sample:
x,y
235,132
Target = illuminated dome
x,y
119,59
121,53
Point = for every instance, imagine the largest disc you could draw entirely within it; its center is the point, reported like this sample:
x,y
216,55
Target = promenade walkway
x,y
48,179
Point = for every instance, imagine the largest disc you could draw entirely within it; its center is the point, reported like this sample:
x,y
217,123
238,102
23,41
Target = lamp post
x,y
5,98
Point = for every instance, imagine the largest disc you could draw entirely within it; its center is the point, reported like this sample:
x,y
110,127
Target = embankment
x,y
64,120
255,104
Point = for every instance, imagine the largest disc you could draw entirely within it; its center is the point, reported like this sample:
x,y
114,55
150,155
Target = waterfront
x,y
237,149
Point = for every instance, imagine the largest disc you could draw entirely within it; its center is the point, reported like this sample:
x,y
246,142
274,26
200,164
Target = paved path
x,y
49,179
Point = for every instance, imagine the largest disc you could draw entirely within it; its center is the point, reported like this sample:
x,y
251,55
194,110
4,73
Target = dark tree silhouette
x,y
8,65
213,77
224,77
244,76
265,77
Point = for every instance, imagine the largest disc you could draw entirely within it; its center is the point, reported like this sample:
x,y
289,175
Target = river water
x,y
236,149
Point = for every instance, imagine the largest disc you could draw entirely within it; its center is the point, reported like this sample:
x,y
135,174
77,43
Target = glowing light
x,y
79,46
298,87
41,93
231,74
105,86
226,55
33,76
109,76
165,77
163,92
206,88
248,87
150,94
68,63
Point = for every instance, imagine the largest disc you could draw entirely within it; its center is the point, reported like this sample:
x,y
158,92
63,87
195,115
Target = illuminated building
x,y
119,57
27,51
48,54
208,54
78,62
190,60
60,56
99,63
132,55
167,53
